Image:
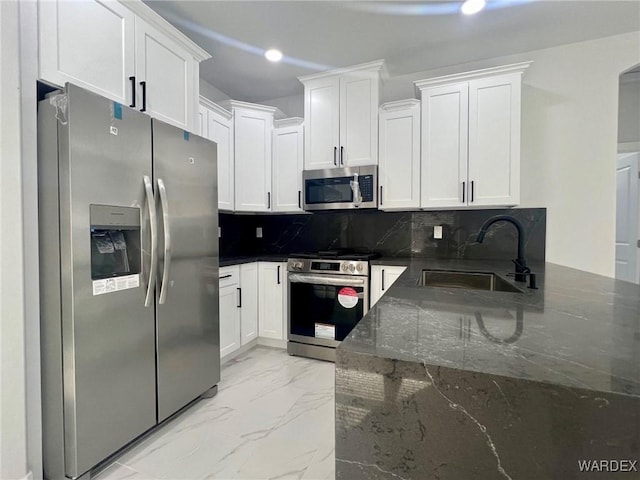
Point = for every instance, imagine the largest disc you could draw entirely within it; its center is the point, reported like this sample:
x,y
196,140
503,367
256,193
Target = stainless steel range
x,y
328,295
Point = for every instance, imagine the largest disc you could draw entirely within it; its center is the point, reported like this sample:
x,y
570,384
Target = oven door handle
x,y
327,280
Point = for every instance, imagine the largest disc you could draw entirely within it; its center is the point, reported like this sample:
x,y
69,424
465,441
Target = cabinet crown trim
x,y
215,107
472,75
149,15
399,105
376,66
234,104
288,122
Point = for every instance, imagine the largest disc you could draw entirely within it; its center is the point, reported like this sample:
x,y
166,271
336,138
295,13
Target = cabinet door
x,y
494,140
220,131
287,169
248,302
444,146
382,277
167,72
399,170
271,299
322,123
252,146
90,44
359,101
229,320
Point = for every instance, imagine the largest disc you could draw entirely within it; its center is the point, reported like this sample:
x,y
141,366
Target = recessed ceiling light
x,y
273,55
469,7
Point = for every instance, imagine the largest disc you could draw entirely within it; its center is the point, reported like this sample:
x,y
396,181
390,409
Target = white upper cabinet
x,y
123,51
341,117
252,131
218,127
287,165
471,138
399,169
494,140
322,115
165,76
89,44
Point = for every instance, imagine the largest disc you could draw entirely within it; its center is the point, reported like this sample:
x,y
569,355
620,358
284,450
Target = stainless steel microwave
x,y
341,188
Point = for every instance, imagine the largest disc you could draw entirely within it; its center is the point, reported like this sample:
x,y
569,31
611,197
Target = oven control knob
x,y
352,267
297,265
359,267
345,267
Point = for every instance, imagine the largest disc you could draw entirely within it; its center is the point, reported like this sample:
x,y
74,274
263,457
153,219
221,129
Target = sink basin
x,y
466,280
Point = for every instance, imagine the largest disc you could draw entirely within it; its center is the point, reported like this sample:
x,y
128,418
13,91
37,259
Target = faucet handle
x,y
521,266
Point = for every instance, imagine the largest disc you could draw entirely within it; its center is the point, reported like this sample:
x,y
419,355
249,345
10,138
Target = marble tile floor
x,y
273,418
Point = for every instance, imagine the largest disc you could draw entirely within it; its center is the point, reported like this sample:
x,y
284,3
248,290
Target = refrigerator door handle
x,y
167,240
153,224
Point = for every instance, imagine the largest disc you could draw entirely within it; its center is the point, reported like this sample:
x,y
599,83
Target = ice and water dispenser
x,y
115,246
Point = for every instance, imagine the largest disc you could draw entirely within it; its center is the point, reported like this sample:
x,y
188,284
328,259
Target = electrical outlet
x,y
437,232
219,232
258,232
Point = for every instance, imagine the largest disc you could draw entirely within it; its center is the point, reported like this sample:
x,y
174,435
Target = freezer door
x,y
188,345
107,333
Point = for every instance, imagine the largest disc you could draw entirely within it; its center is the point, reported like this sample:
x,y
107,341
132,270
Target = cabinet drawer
x,y
229,276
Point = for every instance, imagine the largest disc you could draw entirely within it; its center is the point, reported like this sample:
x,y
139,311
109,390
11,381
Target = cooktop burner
x,y
338,254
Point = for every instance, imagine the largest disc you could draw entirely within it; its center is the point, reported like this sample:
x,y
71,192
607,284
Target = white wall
x,y
569,141
292,106
13,428
211,92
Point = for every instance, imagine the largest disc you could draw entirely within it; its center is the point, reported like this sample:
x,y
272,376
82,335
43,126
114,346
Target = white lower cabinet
x,y
229,310
382,277
248,302
272,298
399,154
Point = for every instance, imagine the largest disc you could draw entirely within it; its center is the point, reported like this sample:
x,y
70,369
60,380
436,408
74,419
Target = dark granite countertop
x,y
238,260
577,330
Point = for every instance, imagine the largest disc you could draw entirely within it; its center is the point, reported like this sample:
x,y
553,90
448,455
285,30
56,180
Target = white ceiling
x,y
410,36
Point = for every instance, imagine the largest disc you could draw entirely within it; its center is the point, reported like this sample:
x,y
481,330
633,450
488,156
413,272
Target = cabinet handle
x,y
225,276
133,91
239,297
341,155
268,200
335,153
383,279
144,96
380,194
464,188
472,191
299,199
278,274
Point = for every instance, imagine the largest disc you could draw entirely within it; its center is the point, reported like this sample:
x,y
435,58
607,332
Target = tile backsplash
x,y
392,234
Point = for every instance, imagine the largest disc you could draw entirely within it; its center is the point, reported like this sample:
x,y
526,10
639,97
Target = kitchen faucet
x,y
521,263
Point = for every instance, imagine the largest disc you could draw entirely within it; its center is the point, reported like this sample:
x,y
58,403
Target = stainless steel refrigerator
x,y
129,275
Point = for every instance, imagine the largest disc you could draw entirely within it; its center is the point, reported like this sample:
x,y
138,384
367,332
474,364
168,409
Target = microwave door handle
x,y
167,241
153,225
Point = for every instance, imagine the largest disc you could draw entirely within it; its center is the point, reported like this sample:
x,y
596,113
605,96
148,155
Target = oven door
x,y
323,309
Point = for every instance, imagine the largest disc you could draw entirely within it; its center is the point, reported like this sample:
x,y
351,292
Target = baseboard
x,y
240,351
272,342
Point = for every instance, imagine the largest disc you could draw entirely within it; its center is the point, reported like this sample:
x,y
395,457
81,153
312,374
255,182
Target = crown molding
x,y
420,85
233,104
288,122
377,66
399,105
149,16
215,107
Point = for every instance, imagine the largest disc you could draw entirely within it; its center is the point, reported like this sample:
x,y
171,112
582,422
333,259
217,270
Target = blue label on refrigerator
x,y
117,110
186,135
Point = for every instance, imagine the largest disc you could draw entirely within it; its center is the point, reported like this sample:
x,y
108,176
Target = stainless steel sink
x,y
466,280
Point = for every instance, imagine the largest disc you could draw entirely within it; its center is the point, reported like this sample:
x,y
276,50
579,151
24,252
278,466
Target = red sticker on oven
x,y
347,297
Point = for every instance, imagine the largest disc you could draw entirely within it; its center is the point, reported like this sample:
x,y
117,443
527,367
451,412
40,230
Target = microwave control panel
x,y
366,187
